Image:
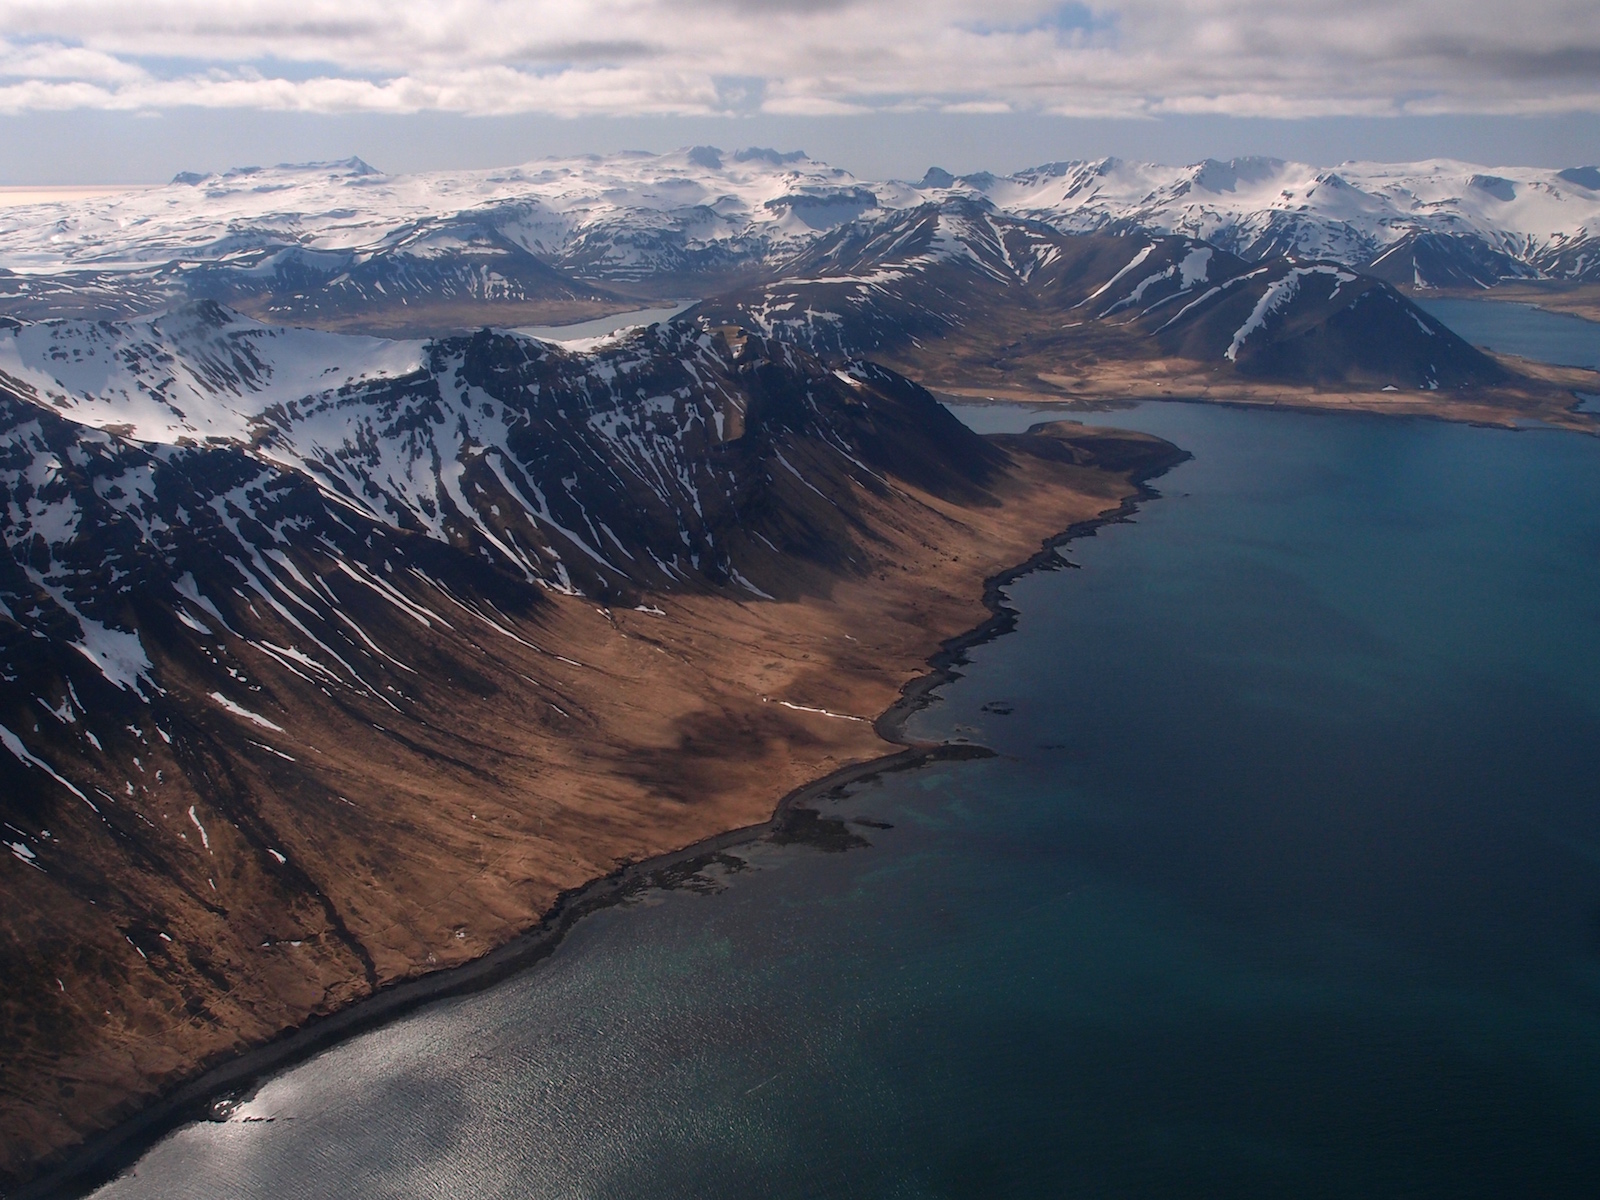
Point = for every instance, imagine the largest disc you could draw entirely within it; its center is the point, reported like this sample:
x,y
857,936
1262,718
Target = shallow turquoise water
x,y
1285,882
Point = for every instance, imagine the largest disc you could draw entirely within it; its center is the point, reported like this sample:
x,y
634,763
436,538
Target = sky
x,y
107,91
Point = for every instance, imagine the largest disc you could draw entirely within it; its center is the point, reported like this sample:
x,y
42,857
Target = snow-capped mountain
x,y
175,486
625,467
1434,223
960,272
325,238
669,204
314,242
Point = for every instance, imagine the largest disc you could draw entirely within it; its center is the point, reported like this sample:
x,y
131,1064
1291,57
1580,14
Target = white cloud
x,y
52,60
810,57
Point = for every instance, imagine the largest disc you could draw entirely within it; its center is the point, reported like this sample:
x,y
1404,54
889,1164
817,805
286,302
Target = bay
x,y
1521,329
1285,880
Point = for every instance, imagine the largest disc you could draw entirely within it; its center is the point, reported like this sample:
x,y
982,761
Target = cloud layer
x,y
1272,58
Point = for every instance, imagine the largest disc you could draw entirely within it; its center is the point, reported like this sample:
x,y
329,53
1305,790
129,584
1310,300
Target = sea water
x,y
1284,881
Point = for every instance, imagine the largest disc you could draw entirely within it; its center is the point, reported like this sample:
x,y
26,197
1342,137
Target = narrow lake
x,y
1285,882
1521,329
602,326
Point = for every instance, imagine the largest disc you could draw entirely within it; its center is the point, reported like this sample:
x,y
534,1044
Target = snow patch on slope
x,y
239,710
200,372
1279,294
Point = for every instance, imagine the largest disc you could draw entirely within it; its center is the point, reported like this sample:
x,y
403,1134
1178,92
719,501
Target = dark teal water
x,y
1286,882
1521,329
1525,330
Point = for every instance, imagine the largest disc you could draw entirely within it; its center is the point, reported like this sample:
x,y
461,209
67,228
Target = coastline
x,y
1555,405
1581,300
103,1157
1579,422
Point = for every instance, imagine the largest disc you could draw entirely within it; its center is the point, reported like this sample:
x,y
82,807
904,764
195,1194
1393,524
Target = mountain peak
x,y
1584,177
767,154
340,166
1215,176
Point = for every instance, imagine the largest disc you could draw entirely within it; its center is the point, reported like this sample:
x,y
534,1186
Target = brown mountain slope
x,y
375,733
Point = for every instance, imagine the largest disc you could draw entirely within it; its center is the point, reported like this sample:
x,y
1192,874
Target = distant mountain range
x,y
956,277
316,242
1437,223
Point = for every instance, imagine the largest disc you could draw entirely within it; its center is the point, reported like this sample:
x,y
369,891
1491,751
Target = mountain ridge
x,y
916,278
653,222
301,695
